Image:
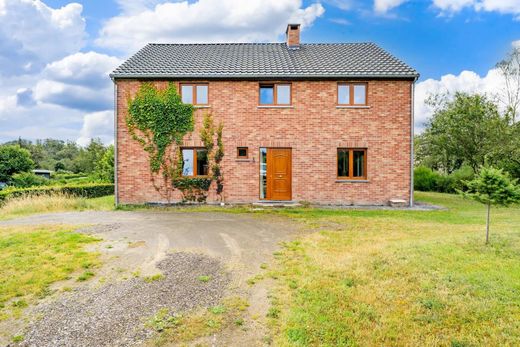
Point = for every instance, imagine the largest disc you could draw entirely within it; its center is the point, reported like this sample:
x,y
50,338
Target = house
x,y
43,173
323,123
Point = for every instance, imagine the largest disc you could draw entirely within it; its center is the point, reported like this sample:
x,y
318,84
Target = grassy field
x,y
55,203
400,278
32,258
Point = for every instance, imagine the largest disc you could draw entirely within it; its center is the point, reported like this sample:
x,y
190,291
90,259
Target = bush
x,y
425,179
28,179
89,190
14,159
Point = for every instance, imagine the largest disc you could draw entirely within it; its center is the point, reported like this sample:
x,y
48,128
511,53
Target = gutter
x,y
412,121
116,189
217,76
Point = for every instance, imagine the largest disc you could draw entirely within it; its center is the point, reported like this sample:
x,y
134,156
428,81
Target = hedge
x,y
89,190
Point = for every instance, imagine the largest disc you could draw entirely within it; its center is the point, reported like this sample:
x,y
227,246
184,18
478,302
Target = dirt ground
x,y
137,241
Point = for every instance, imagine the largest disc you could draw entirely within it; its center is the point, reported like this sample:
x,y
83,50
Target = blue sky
x,y
53,70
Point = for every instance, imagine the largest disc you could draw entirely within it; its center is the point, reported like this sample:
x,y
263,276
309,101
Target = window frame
x,y
242,156
193,86
195,173
275,93
351,163
351,86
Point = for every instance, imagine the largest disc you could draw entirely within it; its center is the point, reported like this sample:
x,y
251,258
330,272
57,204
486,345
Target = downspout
x,y
116,189
412,87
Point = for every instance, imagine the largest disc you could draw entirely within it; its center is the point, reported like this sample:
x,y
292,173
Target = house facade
x,y
323,123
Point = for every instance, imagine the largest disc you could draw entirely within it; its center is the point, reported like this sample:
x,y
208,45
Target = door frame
x,y
269,186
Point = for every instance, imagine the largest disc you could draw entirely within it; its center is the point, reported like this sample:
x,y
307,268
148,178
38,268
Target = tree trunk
x,y
487,223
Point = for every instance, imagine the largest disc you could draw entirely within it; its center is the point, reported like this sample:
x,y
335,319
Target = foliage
x,y
28,179
510,70
14,159
58,155
89,190
493,187
219,155
33,258
465,130
425,179
194,189
158,120
105,165
428,180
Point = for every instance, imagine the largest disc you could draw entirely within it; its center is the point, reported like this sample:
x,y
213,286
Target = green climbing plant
x,y
158,120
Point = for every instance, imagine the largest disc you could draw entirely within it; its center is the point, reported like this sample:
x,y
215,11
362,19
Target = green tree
x,y
493,187
465,130
14,159
105,166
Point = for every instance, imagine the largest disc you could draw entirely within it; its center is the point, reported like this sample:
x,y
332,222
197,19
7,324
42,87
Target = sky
x,y
55,55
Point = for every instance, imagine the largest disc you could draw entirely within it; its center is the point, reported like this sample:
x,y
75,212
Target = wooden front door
x,y
279,175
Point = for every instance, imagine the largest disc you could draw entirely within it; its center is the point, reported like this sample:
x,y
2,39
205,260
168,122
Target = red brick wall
x,y
313,127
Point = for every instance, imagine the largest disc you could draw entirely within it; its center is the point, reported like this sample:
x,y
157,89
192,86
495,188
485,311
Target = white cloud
x,y
33,34
97,125
466,81
206,21
383,6
500,6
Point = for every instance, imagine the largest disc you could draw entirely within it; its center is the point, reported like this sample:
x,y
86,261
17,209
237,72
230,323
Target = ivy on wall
x,y
158,120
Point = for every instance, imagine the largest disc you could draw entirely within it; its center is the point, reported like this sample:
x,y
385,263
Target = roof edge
x,y
114,76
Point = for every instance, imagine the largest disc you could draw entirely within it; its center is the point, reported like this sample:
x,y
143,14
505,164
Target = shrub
x,y
14,159
28,179
89,190
425,179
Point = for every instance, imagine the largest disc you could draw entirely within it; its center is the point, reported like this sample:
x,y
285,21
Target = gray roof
x,y
263,60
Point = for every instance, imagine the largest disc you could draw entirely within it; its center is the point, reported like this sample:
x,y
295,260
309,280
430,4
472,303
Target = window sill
x,y
276,106
339,106
201,106
244,160
352,181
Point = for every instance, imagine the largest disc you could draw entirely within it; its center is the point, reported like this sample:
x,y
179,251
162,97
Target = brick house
x,y
324,123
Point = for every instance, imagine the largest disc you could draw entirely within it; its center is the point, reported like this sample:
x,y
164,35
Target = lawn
x,y
399,278
32,258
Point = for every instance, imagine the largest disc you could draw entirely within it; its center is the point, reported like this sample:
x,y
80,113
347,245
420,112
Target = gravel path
x,y
114,315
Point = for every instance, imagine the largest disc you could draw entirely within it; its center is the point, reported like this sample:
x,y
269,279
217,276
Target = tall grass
x,y
59,202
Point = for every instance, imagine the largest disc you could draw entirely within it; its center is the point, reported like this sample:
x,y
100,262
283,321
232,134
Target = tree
x,y
464,130
493,187
510,71
14,159
158,120
105,166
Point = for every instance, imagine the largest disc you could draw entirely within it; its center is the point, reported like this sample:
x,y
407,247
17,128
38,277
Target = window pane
x,y
187,94
263,173
343,94
202,162
359,164
266,95
360,97
202,95
343,163
283,94
187,162
242,151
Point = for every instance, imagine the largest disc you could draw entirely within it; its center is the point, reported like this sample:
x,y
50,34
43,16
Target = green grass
x,y
24,206
399,278
32,258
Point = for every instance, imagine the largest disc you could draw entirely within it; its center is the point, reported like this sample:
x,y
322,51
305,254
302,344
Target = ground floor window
x,y
194,162
352,163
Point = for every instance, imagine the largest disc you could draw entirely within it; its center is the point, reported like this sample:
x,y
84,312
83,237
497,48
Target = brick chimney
x,y
292,36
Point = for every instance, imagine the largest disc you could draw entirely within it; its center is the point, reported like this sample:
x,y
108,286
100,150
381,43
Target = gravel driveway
x,y
181,245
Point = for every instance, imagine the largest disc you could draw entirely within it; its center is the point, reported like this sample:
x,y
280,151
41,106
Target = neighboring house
x,y
42,173
324,123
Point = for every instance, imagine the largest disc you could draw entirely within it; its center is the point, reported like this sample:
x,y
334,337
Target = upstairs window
x,y
275,94
352,94
352,163
195,94
194,162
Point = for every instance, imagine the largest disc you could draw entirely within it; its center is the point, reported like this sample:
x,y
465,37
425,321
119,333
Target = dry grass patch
x,y
26,205
400,278
32,258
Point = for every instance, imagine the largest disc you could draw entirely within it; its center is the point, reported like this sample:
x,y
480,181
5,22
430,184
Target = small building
x,y
327,123
42,173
